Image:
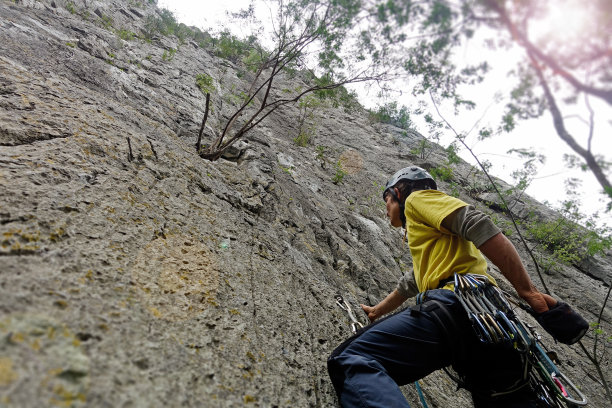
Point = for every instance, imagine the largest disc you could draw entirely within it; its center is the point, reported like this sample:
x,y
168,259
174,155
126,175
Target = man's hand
x,y
371,312
388,304
539,302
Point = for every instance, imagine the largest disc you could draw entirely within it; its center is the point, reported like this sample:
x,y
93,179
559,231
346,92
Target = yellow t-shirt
x,y
436,252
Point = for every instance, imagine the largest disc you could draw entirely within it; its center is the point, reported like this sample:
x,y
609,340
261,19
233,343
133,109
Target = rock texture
x,y
168,280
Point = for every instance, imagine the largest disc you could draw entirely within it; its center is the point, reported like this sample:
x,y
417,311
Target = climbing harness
x,y
494,322
355,324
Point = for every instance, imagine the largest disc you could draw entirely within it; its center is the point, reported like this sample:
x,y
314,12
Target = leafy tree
x,y
307,127
552,76
302,30
390,113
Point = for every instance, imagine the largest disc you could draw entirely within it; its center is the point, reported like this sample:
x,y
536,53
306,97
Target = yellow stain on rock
x,y
351,161
178,277
7,374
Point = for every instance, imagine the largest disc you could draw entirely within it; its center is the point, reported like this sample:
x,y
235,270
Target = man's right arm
x,y
388,304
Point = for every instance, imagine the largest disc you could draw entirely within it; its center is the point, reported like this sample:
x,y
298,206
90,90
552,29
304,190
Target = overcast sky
x,y
539,134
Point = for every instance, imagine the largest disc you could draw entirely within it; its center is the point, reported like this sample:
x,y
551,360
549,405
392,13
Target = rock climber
x,y
445,236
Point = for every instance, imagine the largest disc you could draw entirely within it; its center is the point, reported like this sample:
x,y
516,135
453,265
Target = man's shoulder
x,y
432,205
433,195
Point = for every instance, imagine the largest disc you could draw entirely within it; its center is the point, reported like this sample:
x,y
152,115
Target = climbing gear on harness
x,y
487,311
494,321
355,324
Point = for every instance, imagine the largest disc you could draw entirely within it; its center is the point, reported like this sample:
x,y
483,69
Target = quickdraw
x,y
355,324
494,321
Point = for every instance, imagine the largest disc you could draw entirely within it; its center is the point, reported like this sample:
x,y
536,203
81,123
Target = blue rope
x,y
421,396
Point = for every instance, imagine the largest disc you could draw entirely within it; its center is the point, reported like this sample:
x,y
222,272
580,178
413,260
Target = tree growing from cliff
x,y
304,33
555,73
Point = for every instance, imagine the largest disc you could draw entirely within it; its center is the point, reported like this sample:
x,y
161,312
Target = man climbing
x,y
445,236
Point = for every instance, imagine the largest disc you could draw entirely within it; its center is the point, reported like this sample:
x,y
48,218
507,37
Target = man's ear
x,y
398,194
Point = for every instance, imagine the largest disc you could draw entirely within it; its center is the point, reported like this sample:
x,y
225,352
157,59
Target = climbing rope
x,y
421,396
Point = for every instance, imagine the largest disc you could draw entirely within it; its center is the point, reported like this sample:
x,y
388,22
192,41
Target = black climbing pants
x,y
368,369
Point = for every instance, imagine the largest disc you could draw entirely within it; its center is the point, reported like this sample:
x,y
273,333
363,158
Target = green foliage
x,y
169,54
345,99
205,83
485,133
311,102
254,60
599,331
136,4
525,102
442,173
320,149
320,152
288,170
523,176
502,223
303,138
307,127
230,47
422,149
71,45
391,114
454,189
126,35
70,7
566,240
107,21
340,173
165,24
451,154
336,96
574,162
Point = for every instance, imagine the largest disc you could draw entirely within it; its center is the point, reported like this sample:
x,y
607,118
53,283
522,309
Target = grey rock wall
x,y
172,281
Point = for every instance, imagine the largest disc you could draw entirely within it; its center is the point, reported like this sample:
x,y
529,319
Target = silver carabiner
x,y
347,308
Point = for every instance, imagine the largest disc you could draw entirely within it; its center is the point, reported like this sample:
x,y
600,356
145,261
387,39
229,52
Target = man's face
x,y
393,209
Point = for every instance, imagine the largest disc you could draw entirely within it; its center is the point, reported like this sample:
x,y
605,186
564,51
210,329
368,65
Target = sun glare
x,y
564,21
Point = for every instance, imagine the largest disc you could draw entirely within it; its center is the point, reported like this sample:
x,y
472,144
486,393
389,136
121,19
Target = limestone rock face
x,y
169,280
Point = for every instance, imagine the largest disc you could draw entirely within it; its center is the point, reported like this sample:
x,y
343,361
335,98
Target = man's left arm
x,y
557,318
503,254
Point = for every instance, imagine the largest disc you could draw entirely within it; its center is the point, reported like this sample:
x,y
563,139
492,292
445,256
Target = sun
x,y
563,21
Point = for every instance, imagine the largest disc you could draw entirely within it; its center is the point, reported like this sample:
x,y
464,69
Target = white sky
x,y
539,134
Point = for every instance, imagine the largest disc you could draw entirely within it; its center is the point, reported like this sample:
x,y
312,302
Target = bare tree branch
x,y
537,55
564,134
199,142
271,107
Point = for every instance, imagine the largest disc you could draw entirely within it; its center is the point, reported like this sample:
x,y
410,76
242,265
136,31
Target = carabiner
x,y
347,308
481,331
